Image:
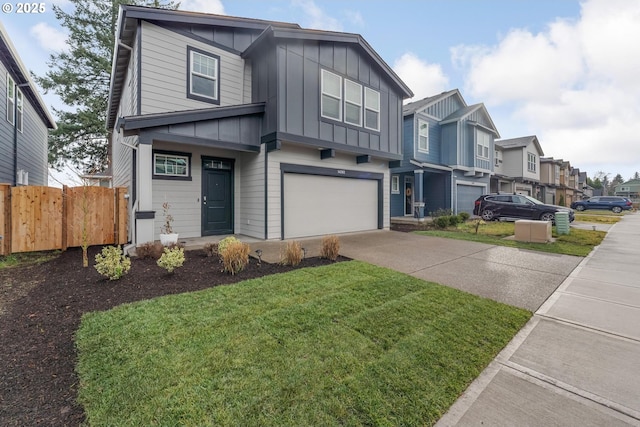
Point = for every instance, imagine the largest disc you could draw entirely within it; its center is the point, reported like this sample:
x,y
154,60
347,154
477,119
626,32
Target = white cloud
x,y
49,38
204,6
423,79
354,17
316,17
574,84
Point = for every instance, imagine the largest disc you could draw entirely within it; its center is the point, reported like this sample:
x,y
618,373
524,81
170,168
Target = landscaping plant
x,y
211,249
292,254
150,250
172,258
222,244
330,247
112,263
234,255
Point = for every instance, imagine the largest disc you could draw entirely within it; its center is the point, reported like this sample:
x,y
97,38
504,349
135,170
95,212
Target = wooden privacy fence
x,y
36,218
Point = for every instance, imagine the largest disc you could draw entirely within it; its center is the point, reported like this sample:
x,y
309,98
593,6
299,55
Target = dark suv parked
x,y
516,206
613,203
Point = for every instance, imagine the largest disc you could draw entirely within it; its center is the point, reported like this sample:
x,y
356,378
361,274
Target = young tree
x,y
80,77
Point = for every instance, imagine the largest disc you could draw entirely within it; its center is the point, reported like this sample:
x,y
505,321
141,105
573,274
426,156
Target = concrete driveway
x,y
513,276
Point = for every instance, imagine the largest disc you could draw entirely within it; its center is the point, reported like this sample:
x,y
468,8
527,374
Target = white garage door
x,y
317,205
466,197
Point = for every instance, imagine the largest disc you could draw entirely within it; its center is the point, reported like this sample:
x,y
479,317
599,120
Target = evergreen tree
x,y
80,77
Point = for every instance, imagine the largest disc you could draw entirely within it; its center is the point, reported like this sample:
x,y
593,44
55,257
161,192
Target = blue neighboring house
x,y
448,156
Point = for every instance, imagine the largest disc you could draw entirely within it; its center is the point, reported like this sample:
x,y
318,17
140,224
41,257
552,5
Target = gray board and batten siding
x,y
292,79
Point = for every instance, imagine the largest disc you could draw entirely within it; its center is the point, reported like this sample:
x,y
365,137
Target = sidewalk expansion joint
x,y
574,324
527,372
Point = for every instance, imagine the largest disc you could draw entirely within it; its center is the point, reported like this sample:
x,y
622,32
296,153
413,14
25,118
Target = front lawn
x,y
578,242
598,218
344,344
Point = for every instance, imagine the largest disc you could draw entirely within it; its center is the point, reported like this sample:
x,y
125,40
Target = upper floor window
x,y
531,162
423,135
337,96
352,103
331,95
203,79
11,100
19,109
371,109
496,157
483,144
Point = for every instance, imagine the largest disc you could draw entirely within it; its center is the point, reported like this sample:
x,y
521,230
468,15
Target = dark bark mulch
x,y
42,306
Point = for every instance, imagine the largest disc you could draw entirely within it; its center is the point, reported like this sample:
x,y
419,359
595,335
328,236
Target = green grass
x,y
26,258
578,242
591,216
600,212
345,344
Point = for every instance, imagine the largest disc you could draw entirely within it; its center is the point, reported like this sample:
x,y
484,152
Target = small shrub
x,y
453,220
292,254
235,256
149,250
172,258
222,244
330,247
112,263
441,221
464,216
210,249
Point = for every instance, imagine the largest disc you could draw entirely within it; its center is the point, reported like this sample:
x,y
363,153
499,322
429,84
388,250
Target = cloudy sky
x,y
567,71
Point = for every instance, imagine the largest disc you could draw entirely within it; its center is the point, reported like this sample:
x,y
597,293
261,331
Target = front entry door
x,y
217,197
408,196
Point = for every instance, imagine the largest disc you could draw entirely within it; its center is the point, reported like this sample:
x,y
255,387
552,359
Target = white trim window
x,y
352,103
19,109
203,75
395,184
483,140
170,165
531,162
11,100
331,87
423,136
371,109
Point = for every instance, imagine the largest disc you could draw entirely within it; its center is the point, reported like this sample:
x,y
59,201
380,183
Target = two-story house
x,y
448,149
549,179
24,121
251,127
521,162
565,193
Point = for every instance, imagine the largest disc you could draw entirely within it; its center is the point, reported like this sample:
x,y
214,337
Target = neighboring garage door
x,y
467,195
316,205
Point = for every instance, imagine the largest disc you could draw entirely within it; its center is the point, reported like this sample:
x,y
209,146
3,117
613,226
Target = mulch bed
x,y
41,310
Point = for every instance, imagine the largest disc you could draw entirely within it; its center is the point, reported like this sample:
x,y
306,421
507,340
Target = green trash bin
x,y
562,222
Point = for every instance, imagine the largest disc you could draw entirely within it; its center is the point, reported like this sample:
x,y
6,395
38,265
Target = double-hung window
x,y
371,109
204,71
352,103
483,142
331,95
11,100
395,184
531,162
423,135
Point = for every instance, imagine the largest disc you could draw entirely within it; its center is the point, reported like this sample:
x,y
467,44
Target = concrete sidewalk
x,y
577,361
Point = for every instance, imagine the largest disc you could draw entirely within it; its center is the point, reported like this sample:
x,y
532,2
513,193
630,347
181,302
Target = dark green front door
x,y
217,197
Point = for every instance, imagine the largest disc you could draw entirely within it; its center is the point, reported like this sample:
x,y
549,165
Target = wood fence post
x,y
5,219
65,219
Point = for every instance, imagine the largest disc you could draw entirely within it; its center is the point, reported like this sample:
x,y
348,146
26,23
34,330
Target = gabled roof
x,y
127,28
9,56
412,107
468,110
275,32
520,142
